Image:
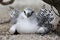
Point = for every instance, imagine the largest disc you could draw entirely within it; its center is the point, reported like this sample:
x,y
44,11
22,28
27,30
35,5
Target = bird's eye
x,y
32,12
24,12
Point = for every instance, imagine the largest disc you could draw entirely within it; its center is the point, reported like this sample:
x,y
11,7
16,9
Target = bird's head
x,y
28,12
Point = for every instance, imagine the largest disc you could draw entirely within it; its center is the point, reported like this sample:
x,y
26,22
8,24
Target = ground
x,y
29,37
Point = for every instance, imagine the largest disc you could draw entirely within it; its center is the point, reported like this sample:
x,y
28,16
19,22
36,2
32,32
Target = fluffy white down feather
x,y
27,25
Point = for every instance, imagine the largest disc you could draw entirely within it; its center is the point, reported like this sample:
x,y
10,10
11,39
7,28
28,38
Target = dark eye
x,y
32,12
24,12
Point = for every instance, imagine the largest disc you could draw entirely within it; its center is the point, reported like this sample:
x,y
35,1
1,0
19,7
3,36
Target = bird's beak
x,y
28,15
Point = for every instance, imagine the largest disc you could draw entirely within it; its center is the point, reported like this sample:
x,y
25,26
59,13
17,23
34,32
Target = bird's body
x,y
27,25
29,22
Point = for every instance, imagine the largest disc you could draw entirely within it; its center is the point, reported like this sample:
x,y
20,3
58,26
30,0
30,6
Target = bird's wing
x,y
44,16
14,13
